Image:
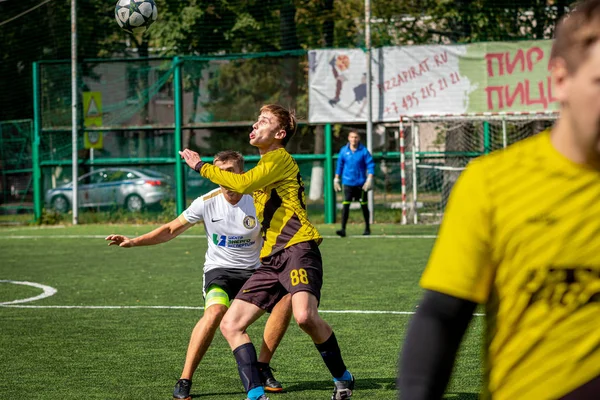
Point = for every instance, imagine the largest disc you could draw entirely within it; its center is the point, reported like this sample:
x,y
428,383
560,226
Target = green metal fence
x,y
145,110
16,170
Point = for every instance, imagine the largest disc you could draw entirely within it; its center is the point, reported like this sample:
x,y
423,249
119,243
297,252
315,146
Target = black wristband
x,y
198,166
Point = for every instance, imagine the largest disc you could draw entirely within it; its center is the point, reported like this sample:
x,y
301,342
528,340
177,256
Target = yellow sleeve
x,y
266,172
460,264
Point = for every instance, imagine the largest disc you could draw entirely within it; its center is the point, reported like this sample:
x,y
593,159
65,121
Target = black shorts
x,y
298,268
230,280
587,391
354,193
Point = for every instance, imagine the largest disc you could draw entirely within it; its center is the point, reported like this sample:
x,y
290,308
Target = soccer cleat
x,y
268,380
263,397
341,233
182,390
367,232
343,389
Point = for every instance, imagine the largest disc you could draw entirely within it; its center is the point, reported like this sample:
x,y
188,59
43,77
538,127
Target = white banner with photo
x,y
337,85
430,80
406,81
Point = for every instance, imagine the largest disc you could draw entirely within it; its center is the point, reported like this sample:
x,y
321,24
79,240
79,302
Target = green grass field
x,y
113,330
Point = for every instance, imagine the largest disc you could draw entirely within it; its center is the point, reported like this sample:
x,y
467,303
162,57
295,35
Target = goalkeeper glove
x,y
368,185
336,185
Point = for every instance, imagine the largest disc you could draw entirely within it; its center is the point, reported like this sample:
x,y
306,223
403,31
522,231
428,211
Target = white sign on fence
x,y
426,80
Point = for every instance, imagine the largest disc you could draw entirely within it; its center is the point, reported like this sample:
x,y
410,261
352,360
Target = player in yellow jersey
x,y
234,245
290,257
521,235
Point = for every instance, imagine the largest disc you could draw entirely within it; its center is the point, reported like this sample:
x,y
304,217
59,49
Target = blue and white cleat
x,y
343,389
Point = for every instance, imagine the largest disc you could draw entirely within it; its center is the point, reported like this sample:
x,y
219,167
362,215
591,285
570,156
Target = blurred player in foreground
x,y
290,257
234,244
521,235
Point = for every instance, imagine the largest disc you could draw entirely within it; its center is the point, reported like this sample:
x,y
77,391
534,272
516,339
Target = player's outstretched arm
x,y
433,338
119,240
160,235
192,159
258,177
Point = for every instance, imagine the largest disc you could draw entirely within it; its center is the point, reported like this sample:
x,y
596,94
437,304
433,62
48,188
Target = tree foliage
x,y
44,33
195,27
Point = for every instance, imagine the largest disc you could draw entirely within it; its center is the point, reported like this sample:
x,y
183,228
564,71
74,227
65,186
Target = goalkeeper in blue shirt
x,y
356,167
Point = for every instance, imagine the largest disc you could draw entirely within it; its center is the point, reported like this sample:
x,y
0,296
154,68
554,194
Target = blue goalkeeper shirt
x,y
353,166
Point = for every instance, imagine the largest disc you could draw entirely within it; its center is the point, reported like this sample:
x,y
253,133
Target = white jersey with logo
x,y
233,231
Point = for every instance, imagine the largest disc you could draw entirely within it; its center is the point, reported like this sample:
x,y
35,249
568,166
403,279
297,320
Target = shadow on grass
x,y
239,393
366,384
327,385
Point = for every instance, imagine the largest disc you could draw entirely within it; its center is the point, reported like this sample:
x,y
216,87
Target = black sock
x,y
345,214
365,210
262,366
330,351
245,356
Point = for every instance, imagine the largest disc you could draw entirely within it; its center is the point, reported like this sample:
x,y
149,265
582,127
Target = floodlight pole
x,y
74,196
369,98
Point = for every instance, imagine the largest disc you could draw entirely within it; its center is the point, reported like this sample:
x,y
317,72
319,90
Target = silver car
x,y
132,188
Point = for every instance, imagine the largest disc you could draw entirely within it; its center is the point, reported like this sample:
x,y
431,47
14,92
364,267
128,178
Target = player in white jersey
x,y
234,244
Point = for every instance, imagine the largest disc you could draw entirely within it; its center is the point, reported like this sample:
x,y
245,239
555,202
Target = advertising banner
x,y
493,77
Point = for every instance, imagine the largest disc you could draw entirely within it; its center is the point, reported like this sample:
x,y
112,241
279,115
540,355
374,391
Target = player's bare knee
x,y
229,327
214,314
305,319
226,327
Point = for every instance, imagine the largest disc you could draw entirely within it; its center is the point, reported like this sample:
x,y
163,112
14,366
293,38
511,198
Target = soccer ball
x,y
135,16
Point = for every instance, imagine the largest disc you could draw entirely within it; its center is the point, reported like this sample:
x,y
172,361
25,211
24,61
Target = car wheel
x,y
134,203
60,204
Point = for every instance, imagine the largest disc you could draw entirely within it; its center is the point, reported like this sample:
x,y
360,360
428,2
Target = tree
x,y
44,33
205,27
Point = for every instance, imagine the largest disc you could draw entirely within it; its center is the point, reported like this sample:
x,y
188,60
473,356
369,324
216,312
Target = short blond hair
x,y
227,155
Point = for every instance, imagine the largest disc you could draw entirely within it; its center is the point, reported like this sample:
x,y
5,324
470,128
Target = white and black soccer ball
x,y
135,16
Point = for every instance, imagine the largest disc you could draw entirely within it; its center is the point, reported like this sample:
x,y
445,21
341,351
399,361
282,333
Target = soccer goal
x,y
434,150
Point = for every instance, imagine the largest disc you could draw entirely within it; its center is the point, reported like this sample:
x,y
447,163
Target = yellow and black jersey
x,y
521,233
279,198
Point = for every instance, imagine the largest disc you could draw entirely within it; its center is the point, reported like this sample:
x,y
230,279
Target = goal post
x,y
435,149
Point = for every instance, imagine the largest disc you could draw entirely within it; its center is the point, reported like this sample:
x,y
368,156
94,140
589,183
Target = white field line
x,y
35,228
202,308
204,237
50,291
47,292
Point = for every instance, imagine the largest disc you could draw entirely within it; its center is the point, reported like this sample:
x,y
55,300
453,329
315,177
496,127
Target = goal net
x,y
437,150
